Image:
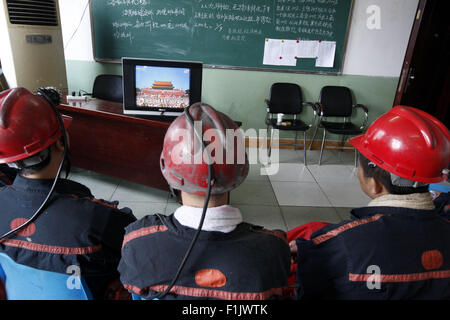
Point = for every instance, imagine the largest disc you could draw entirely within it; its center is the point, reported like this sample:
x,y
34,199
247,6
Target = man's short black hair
x,y
372,171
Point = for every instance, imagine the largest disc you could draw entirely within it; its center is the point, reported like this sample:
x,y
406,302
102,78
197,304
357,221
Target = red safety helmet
x,y
28,125
409,143
182,159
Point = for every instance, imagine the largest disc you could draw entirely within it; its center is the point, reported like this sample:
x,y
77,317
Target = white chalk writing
x,y
230,21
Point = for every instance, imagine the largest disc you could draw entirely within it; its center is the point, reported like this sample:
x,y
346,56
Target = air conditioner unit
x,y
31,44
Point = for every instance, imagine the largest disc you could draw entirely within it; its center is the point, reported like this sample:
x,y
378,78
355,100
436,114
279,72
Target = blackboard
x,y
219,33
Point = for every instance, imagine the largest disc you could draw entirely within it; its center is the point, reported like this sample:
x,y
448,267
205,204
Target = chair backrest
x,y
285,98
108,87
336,101
25,283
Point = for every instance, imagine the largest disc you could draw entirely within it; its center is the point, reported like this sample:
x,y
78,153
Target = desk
x,y
104,140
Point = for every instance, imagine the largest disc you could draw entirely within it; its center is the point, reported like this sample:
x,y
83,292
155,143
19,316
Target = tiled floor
x,y
293,196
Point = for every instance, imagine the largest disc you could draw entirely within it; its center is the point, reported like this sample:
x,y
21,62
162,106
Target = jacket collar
x,y
365,212
43,186
38,185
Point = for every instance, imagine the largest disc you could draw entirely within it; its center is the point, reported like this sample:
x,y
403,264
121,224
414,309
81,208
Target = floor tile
x,y
347,157
254,173
305,194
142,209
332,173
268,217
254,193
101,186
129,191
286,156
290,172
171,198
329,157
77,171
344,213
343,194
354,173
256,156
171,207
297,216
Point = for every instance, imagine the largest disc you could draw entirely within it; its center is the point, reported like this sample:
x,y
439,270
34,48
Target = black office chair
x,y
286,98
337,102
108,87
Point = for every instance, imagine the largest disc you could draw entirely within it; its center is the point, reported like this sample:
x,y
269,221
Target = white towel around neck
x,y
421,201
223,219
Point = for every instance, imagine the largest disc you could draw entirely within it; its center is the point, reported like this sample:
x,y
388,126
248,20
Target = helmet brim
x,y
67,121
356,142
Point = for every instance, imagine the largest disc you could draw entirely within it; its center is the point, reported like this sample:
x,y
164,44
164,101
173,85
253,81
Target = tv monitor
x,y
160,87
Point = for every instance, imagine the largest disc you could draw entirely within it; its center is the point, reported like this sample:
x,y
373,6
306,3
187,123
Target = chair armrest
x,y
268,119
310,104
366,114
362,107
314,107
267,109
319,108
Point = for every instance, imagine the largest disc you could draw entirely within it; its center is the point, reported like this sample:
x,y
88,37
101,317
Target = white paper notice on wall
x,y
308,49
280,52
272,52
326,54
288,53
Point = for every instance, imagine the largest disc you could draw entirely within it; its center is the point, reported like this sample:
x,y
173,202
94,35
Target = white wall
x,y
80,46
377,52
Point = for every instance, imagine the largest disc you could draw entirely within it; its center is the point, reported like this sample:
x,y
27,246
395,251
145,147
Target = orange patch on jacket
x,y
210,278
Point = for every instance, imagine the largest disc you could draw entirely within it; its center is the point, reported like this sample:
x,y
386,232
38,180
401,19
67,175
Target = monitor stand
x,y
156,115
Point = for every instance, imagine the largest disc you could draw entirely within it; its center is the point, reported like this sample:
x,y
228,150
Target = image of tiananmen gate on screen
x,y
162,94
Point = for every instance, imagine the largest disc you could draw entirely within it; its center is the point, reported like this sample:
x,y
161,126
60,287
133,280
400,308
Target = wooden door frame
x,y
442,107
410,52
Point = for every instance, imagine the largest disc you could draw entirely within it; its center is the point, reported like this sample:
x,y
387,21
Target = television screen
x,y
162,87
158,87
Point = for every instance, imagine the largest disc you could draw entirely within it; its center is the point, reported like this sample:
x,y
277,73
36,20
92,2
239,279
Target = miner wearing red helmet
x,y
73,229
231,259
397,246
